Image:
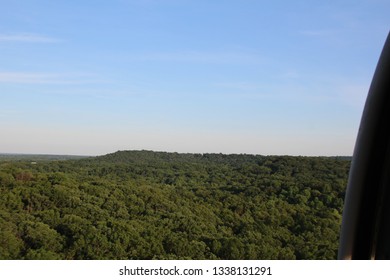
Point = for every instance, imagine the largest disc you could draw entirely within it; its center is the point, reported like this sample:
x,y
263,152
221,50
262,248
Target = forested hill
x,y
151,157
156,205
145,156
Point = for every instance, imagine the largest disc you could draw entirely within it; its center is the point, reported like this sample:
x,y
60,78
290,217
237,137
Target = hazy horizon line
x,y
169,152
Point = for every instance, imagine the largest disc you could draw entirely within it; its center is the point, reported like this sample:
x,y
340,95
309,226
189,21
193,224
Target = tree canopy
x,y
156,205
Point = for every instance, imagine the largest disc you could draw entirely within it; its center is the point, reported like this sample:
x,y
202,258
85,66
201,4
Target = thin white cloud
x,y
198,57
323,34
43,78
27,38
245,86
315,33
26,78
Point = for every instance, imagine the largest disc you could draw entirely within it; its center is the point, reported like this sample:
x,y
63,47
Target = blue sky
x,y
243,76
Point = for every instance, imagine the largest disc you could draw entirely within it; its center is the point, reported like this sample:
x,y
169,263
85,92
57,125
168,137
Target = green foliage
x,y
10,244
154,205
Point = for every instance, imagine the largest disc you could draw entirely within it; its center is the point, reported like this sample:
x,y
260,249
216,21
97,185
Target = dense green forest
x,y
156,205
